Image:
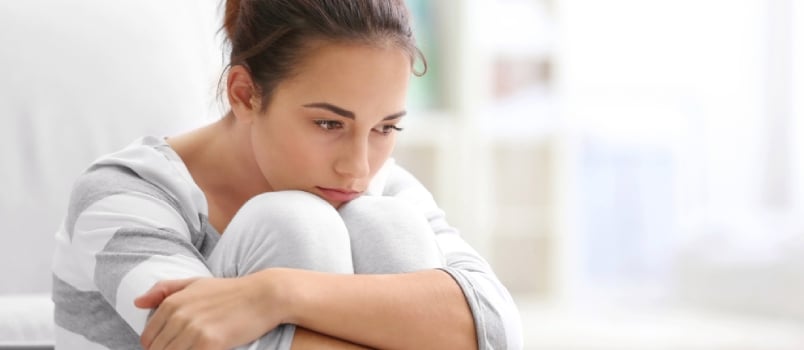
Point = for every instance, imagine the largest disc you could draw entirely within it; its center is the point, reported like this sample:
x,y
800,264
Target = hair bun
x,y
230,17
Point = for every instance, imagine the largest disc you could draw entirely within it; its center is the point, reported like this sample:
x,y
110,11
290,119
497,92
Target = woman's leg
x,y
292,229
389,235
282,229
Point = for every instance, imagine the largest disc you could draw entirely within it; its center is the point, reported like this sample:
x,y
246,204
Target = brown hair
x,y
270,37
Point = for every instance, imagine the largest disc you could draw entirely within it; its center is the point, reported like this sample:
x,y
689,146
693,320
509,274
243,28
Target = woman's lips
x,y
338,195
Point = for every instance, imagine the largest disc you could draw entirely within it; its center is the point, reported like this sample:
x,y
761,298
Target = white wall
x,y
81,79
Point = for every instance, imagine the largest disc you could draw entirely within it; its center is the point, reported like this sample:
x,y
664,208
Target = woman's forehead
x,y
350,76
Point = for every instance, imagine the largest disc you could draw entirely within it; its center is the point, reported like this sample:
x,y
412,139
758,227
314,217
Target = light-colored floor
x,y
553,327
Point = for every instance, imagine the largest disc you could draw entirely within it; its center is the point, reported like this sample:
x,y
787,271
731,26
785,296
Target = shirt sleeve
x,y
126,237
496,317
121,236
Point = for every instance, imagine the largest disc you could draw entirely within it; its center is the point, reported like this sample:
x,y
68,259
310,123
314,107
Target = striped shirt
x,y
136,217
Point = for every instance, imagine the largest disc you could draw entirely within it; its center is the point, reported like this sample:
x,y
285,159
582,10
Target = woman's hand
x,y
154,296
207,313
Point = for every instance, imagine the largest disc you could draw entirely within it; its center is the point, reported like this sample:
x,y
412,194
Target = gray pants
x,y
294,229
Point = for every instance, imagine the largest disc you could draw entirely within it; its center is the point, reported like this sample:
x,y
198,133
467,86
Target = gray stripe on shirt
x,y
118,257
489,325
103,181
205,239
88,314
131,246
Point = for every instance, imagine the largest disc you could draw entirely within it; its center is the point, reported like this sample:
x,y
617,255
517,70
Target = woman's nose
x,y
353,160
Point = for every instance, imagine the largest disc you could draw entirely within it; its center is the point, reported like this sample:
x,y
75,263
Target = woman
x,y
284,224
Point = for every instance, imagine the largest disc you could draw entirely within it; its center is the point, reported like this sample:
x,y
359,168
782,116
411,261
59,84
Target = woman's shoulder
x,y
393,180
149,167
140,164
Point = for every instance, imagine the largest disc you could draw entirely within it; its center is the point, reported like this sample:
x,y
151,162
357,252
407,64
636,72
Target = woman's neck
x,y
220,159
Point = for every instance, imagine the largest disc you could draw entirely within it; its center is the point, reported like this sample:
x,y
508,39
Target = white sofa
x,y
79,79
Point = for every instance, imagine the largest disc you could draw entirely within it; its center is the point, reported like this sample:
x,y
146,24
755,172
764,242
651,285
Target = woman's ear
x,y
242,94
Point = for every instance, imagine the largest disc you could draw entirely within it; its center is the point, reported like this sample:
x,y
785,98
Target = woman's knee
x,y
287,229
285,206
380,209
389,235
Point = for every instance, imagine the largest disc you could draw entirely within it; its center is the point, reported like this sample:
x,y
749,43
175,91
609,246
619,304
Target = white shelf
x,y
467,152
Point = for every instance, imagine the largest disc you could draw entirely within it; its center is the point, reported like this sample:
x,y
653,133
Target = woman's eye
x,y
329,124
387,129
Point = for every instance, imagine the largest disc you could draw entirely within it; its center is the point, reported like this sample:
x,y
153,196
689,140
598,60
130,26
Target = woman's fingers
x,y
195,336
161,290
170,326
208,314
153,327
167,318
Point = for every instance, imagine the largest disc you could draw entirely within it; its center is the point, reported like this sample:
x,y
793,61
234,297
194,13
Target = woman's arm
x,y
497,321
121,235
419,310
216,313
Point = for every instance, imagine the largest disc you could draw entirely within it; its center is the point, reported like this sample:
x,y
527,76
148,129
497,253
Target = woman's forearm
x,y
419,310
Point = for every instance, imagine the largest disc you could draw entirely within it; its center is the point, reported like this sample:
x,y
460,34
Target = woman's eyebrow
x,y
395,115
346,113
332,108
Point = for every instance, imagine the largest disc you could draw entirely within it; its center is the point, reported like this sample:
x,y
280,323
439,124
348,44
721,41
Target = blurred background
x,y
632,169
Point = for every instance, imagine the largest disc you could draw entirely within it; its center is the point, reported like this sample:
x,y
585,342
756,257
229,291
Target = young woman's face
x,y
329,128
